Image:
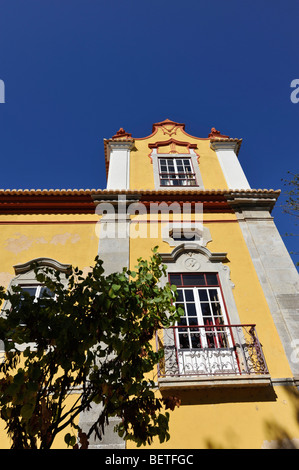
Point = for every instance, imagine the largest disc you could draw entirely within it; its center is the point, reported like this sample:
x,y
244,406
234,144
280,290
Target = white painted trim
x,y
119,165
230,165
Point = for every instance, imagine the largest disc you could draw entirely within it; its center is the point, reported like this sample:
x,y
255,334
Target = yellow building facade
x,y
232,358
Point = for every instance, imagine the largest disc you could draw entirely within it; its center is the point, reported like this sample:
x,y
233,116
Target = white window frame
x,y
192,156
38,290
204,330
25,278
186,177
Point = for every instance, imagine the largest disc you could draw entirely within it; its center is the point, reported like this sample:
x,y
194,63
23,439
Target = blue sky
x,y
75,71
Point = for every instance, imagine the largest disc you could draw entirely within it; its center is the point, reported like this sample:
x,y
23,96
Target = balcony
x,y
211,356
178,179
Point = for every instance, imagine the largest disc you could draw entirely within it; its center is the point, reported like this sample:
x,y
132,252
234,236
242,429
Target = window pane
x,y
216,309
191,310
203,295
212,279
184,341
195,340
193,280
45,292
193,321
213,295
205,308
30,290
180,297
189,295
175,279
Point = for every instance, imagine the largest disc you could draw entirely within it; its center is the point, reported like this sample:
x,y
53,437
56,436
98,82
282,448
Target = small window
x,y
37,291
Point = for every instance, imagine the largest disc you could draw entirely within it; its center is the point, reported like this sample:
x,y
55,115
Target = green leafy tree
x,y
95,336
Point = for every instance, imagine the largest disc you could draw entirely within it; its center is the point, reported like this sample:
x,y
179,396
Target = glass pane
x,y
203,295
205,308
219,321
212,279
211,340
181,324
193,280
175,279
213,295
193,321
45,292
195,340
216,310
184,341
191,310
30,290
221,338
180,297
189,295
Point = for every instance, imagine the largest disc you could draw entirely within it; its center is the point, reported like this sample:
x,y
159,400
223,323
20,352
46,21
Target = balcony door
x,y
204,342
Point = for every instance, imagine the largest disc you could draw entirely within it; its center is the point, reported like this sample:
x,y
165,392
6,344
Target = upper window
x,y
176,172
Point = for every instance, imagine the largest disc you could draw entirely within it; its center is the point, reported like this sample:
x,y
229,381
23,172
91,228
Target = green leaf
x,y
115,287
69,440
27,411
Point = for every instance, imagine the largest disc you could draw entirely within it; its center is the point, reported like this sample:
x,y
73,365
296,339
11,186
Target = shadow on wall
x,y
212,396
279,437
276,435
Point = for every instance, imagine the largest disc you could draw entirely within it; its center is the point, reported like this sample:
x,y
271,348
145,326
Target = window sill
x,y
196,382
179,188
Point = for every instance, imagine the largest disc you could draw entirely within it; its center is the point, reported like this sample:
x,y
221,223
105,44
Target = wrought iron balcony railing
x,y
210,350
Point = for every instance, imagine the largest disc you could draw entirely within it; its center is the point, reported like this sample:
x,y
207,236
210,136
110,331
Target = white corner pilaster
x,y
119,164
230,165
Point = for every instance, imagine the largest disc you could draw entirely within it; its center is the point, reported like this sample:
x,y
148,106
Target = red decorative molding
x,y
167,122
122,134
214,133
163,143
